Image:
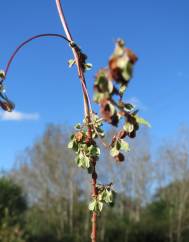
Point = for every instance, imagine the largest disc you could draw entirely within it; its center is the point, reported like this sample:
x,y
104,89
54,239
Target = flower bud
x,y
79,136
7,106
120,157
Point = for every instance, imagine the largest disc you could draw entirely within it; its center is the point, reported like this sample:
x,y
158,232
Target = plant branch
x,y
26,42
87,106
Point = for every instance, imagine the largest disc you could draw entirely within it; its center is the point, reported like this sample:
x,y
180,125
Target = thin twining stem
x,y
20,46
26,42
87,104
87,108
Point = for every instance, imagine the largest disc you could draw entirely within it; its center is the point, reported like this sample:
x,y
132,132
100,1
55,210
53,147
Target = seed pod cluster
x,y
112,81
109,87
5,103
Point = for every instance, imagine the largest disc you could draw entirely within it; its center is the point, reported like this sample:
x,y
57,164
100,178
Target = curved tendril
x,y
26,42
36,37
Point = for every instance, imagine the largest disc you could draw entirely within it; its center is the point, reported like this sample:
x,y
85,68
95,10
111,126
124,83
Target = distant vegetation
x,y
45,198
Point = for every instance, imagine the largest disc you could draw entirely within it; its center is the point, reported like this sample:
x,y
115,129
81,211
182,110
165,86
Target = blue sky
x,y
45,90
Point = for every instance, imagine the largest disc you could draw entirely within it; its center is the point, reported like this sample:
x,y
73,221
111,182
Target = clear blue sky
x,y
40,82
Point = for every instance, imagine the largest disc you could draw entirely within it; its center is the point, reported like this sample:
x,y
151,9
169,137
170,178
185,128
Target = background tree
x,y
173,172
53,183
12,210
48,214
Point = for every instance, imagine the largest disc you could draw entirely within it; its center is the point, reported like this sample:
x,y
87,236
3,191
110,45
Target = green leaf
x,y
2,74
124,145
71,62
110,86
94,151
100,206
94,135
95,206
72,137
127,72
122,62
128,127
100,132
112,198
104,85
97,97
112,109
75,146
142,121
92,205
77,160
129,107
88,66
98,151
118,144
114,151
71,144
122,89
77,126
97,120
106,196
109,197
85,162
100,196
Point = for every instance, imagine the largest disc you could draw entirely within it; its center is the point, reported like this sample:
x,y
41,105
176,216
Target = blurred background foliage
x,y
45,197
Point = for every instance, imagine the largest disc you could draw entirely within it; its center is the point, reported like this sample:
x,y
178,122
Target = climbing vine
x,y
110,86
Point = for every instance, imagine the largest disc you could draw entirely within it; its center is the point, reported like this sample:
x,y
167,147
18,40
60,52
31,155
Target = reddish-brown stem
x,y
20,46
87,106
26,42
94,194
